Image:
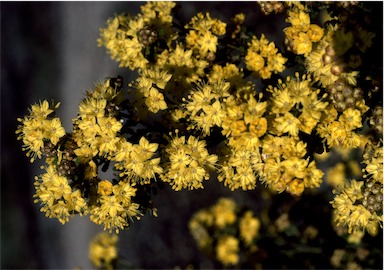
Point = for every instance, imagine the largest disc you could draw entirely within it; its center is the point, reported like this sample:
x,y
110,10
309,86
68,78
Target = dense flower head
x,y
151,85
224,231
297,105
205,107
136,162
284,166
189,163
127,38
300,36
39,128
203,34
350,212
103,251
263,57
57,197
115,210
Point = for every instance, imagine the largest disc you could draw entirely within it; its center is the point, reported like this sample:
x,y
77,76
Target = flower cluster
x,y
203,34
189,163
243,110
72,183
39,129
130,40
359,204
263,58
150,85
223,231
300,36
103,251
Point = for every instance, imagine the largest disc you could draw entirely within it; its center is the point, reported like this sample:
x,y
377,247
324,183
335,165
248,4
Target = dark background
x,y
49,51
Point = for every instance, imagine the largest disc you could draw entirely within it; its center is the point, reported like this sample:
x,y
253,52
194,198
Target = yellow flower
x,y
302,44
157,76
103,250
227,250
59,187
244,177
315,33
107,145
353,190
296,187
90,170
237,127
53,130
192,38
155,101
254,61
308,123
189,163
35,128
259,127
218,27
92,107
295,166
300,20
359,218
287,124
313,176
42,110
224,212
265,73
104,187
351,119
207,43
336,175
282,101
76,202
124,192
216,112
60,211
249,227
109,126
276,62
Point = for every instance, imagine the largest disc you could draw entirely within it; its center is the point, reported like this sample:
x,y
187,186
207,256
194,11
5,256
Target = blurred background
x,y
49,51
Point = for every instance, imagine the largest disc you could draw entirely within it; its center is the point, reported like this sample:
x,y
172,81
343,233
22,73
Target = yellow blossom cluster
x,y
350,212
359,204
103,251
298,106
127,39
263,57
198,78
38,128
72,184
202,37
150,84
136,162
302,33
284,166
205,107
325,60
189,163
340,131
114,209
58,199
224,232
